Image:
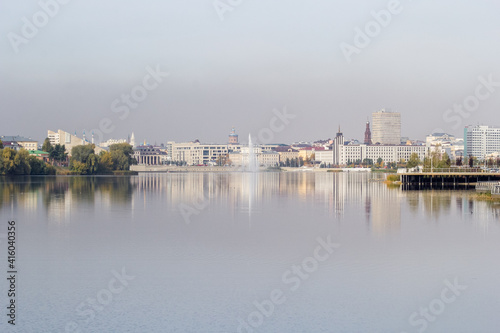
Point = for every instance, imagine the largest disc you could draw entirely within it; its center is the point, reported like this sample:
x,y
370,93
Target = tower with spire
x,y
233,137
337,147
368,134
132,140
339,133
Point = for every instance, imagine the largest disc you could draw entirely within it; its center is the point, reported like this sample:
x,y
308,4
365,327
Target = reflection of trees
x,y
413,200
54,189
436,203
118,190
60,189
11,187
82,188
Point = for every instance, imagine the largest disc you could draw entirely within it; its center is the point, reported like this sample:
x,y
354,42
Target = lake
x,y
247,252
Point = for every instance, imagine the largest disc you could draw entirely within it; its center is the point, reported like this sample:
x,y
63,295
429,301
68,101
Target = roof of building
x,y
38,152
16,138
442,134
10,143
285,149
313,148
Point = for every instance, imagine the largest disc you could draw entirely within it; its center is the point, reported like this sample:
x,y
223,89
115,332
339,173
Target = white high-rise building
x,y
386,127
480,141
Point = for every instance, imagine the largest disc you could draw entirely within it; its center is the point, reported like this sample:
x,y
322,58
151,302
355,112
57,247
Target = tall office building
x,y
386,127
480,141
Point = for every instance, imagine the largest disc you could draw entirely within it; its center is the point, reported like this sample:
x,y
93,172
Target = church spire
x,y
368,134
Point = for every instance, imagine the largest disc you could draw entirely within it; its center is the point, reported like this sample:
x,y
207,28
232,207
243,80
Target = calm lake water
x,y
243,252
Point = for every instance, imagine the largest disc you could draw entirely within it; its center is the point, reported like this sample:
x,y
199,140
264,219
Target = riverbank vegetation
x,y
83,160
20,162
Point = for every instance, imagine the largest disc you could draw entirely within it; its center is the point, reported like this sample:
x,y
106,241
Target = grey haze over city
x,y
68,65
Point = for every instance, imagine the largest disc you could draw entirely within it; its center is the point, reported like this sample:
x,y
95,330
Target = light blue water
x,y
199,250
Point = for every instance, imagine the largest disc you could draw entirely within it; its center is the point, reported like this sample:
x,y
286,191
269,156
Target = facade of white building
x,y
345,154
480,141
196,153
149,155
386,127
388,153
324,157
263,157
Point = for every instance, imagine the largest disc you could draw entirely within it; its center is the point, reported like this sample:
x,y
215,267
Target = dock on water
x,y
449,178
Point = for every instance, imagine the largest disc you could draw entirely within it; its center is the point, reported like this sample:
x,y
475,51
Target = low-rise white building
x,y
262,158
324,157
149,155
196,153
388,153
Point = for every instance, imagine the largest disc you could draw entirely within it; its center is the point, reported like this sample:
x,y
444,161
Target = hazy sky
x,y
74,71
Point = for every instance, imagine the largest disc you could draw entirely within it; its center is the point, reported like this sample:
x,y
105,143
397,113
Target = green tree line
x,y
20,162
84,161
57,153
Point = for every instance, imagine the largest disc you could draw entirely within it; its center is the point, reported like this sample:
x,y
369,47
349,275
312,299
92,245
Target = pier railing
x,y
495,190
454,170
486,186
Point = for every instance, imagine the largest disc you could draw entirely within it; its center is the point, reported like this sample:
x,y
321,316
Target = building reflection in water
x,y
378,206
243,192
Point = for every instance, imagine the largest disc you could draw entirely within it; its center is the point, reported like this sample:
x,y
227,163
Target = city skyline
x,y
224,136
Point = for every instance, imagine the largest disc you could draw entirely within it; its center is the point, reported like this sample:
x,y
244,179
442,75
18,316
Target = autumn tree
x,y
413,161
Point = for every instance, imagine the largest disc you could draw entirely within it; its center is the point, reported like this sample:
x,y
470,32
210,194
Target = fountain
x,y
252,158
252,168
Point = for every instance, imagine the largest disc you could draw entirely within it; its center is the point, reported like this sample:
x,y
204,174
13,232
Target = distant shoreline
x,y
169,168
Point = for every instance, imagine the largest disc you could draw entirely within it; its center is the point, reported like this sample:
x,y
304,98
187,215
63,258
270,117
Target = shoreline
x,y
168,168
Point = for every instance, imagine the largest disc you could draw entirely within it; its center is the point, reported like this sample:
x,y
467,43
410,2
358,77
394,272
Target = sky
x,y
283,71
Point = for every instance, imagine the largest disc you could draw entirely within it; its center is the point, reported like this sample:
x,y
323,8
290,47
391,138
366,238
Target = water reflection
x,y
379,206
58,195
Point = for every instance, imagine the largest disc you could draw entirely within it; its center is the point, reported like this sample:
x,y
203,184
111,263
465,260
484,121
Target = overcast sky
x,y
261,56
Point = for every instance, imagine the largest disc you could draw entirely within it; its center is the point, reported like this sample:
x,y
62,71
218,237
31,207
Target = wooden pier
x,y
452,178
